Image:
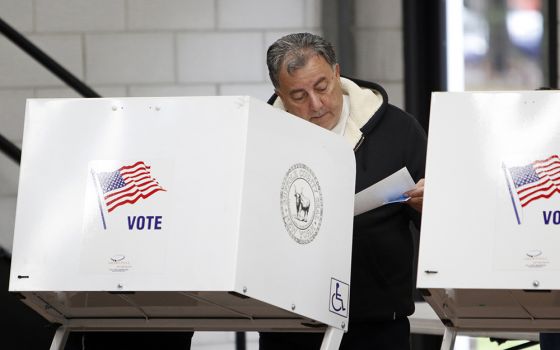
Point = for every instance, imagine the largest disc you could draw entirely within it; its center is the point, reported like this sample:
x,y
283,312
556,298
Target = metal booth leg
x,y
332,338
448,338
60,338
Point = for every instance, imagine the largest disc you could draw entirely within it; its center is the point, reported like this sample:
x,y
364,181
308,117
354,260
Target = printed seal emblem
x,y
301,203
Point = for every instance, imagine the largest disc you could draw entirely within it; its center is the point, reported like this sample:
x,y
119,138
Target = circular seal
x,y
301,203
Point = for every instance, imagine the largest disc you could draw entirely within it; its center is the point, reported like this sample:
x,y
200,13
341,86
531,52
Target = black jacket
x,y
382,251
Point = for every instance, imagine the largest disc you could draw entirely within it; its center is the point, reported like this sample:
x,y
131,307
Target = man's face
x,y
313,92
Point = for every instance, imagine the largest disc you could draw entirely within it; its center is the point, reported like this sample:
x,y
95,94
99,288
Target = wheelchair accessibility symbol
x,y
338,302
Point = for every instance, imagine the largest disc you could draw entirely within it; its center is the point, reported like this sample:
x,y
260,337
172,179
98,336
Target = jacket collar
x,y
364,103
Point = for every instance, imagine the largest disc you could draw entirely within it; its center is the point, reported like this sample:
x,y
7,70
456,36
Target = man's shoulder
x,y
397,119
399,113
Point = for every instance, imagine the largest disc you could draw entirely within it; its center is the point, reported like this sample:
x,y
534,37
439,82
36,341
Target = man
x,y
307,80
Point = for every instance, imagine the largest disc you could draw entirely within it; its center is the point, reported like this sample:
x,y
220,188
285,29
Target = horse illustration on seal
x,y
302,205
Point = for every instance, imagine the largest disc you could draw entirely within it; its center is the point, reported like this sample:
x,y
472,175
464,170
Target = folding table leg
x,y
60,338
448,338
332,339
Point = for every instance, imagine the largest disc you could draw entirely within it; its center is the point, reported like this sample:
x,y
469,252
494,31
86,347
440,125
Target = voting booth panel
x,y
488,251
190,207
299,168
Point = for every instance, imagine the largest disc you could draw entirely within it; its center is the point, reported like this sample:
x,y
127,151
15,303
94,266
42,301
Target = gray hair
x,y
294,50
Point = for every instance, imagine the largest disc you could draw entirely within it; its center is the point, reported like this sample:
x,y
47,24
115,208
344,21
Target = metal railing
x,y
10,149
6,146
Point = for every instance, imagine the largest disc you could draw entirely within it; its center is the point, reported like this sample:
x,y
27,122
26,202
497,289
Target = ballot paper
x,y
389,190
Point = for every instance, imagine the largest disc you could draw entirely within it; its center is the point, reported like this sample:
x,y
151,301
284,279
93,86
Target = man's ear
x,y
337,70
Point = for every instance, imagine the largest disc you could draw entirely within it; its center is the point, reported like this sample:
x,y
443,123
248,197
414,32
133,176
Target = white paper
x,y
388,190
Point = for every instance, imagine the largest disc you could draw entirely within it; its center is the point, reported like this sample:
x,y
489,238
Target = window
x,y
500,44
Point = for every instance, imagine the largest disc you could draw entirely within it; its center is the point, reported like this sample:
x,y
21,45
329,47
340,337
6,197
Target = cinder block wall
x,y
379,45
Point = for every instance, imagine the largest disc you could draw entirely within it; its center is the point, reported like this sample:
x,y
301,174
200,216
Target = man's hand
x,y
416,196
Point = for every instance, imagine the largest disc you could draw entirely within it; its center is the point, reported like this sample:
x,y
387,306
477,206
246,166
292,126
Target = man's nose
x,y
315,102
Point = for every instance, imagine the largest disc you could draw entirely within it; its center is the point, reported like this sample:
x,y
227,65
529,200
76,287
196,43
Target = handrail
x,y
6,146
10,149
45,60
4,254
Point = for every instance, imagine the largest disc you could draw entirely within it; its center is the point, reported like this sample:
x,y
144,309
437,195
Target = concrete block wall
x,y
379,45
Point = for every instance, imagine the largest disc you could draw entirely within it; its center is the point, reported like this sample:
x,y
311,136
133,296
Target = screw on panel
x,y
293,307
536,283
244,289
120,286
343,325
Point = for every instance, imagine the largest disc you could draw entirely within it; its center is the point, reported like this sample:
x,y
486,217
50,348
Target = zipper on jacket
x,y
359,143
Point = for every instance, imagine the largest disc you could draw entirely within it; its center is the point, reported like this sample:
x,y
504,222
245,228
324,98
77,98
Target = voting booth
x,y
489,250
188,213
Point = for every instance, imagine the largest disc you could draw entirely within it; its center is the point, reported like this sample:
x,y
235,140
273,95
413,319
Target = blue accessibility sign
x,y
338,300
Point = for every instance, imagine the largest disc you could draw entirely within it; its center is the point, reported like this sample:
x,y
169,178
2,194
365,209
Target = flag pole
x,y
511,194
99,200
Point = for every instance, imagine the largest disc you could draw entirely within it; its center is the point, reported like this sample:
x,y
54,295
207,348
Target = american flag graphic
x,y
539,179
127,185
